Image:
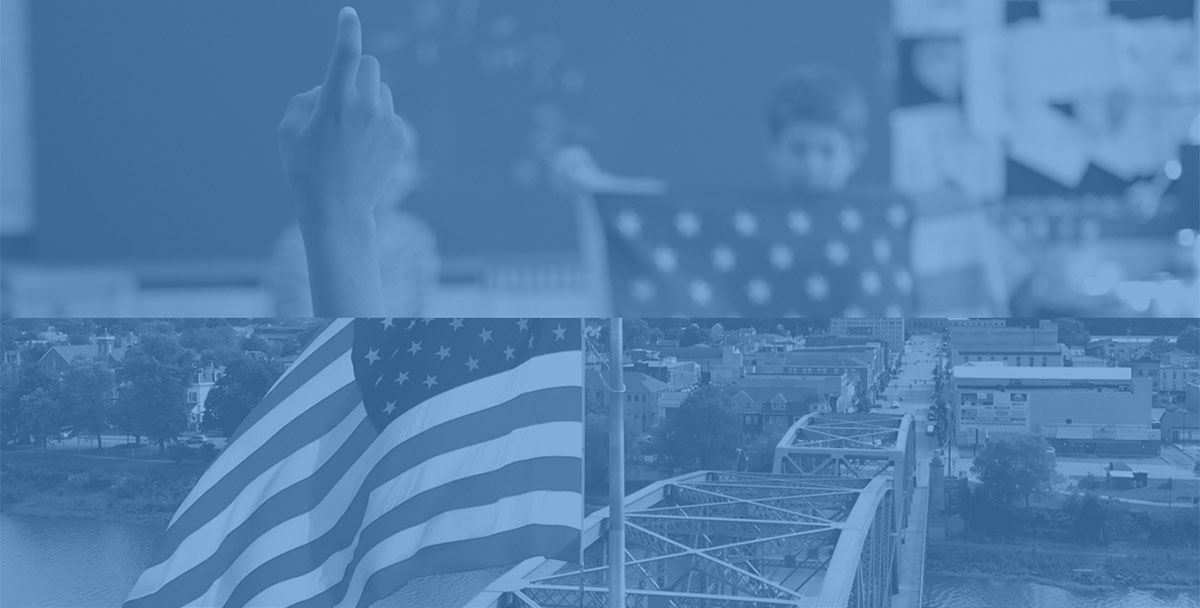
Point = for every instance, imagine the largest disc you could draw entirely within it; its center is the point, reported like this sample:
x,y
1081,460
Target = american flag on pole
x,y
767,254
391,449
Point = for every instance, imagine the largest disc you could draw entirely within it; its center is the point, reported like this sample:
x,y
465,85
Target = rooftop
x,y
1007,372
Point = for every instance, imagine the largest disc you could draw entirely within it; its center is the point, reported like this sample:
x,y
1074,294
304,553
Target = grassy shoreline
x,y
112,489
1124,565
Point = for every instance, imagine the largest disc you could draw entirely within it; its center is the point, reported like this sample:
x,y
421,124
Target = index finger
x,y
347,53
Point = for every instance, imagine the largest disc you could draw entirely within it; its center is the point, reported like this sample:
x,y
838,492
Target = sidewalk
x,y
912,552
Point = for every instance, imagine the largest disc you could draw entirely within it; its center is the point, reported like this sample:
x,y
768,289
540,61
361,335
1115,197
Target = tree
x,y
704,433
1168,488
87,396
1088,516
257,343
43,414
215,344
760,453
862,404
18,418
153,395
1013,468
693,335
636,333
1072,332
243,385
1189,340
1196,468
1159,346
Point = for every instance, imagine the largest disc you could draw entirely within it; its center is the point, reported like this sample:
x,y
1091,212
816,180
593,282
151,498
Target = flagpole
x,y
616,466
583,341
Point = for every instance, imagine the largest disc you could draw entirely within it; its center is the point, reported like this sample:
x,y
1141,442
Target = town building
x,y
201,385
765,408
1016,346
927,325
642,396
1091,410
1087,361
888,329
63,357
1179,426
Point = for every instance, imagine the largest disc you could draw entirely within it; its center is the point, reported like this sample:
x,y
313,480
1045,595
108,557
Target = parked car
x,y
895,405
930,430
196,441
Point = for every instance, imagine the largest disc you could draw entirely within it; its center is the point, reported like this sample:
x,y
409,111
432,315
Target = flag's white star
x,y
427,321
799,222
377,381
560,333
508,353
643,290
817,287
837,252
781,256
523,324
411,324
372,356
429,381
472,364
387,324
687,223
758,290
701,292
665,259
415,348
391,407
530,341
745,223
485,335
629,224
870,282
724,258
443,352
882,250
851,219
457,324
402,378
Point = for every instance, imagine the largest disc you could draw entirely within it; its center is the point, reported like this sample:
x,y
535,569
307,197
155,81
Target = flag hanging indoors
x,y
391,449
756,253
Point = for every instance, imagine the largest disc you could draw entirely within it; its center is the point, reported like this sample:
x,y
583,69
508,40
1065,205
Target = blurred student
x,y
349,160
816,124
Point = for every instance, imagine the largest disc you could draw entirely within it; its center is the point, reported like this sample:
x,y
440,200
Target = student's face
x,y
812,157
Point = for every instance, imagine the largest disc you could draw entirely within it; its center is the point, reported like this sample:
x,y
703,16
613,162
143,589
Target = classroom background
x,y
140,173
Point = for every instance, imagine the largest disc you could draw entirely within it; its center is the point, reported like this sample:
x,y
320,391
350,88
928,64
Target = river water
x,y
71,563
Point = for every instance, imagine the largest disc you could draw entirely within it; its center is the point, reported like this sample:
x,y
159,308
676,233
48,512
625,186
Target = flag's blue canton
x,y
718,255
398,363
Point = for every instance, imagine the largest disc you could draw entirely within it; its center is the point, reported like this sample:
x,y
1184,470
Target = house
x,y
763,408
61,358
642,395
202,383
1179,426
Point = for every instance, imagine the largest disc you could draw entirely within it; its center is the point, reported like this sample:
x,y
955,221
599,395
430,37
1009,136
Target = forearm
x,y
593,257
343,267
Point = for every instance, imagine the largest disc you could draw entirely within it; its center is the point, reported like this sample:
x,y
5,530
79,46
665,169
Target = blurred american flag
x,y
719,253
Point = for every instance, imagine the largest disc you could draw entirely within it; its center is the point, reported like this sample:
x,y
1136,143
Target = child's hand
x,y
575,171
342,142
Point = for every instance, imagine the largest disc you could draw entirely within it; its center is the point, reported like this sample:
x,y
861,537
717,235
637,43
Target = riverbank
x,y
113,489
1067,566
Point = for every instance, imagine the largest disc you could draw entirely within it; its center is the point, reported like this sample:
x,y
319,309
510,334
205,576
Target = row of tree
x,y
146,396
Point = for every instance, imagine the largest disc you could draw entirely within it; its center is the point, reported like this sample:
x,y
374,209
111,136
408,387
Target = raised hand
x,y
342,147
342,143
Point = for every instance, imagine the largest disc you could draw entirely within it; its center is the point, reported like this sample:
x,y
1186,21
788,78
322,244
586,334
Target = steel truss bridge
x,y
819,532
